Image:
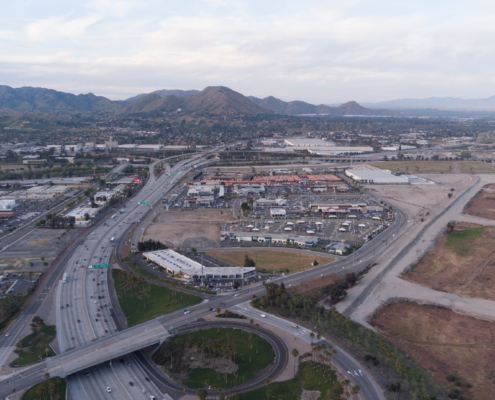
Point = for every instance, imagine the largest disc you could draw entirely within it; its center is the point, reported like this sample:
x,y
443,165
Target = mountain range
x,y
437,103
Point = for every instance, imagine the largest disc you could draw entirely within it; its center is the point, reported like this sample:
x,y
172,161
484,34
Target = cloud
x,y
362,50
56,27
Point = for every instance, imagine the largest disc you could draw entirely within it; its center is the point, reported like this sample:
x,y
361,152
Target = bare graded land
x,y
436,167
417,200
188,228
483,204
457,350
278,261
462,262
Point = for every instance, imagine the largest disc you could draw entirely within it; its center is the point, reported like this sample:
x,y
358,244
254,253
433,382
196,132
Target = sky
x,y
317,51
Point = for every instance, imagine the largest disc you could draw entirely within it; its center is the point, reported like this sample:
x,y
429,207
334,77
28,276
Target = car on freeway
x,y
263,316
7,334
187,312
236,295
131,383
147,379
295,326
108,389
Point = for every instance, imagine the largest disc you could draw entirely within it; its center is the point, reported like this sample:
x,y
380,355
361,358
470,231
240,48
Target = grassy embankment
x,y
57,387
35,346
141,301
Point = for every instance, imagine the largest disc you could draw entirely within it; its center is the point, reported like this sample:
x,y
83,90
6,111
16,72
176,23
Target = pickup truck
x,y
186,311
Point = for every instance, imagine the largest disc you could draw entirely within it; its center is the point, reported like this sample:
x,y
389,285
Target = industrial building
x,y
375,176
398,147
7,204
307,143
179,265
49,190
277,238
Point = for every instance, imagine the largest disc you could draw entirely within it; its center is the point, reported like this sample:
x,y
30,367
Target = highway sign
x,y
144,202
99,266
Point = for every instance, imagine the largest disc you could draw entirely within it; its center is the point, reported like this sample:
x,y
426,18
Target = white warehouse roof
x,y
376,176
176,263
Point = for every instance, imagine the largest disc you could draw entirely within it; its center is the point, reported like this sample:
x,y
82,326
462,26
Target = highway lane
x,y
152,194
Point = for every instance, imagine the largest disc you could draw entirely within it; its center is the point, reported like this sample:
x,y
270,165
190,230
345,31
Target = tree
x,y
244,207
295,353
202,393
248,262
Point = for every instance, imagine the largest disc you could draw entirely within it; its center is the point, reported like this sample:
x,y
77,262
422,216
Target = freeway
x,y
105,349
72,333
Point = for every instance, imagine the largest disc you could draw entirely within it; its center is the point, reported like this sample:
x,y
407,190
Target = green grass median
x,y
141,301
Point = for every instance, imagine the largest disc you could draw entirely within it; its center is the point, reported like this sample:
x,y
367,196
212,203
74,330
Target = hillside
x,y
162,93
300,108
28,99
212,100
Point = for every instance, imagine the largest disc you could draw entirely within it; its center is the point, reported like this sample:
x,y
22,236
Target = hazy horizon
x,y
366,51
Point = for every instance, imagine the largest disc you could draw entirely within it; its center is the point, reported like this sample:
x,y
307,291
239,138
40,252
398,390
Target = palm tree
x,y
202,393
295,353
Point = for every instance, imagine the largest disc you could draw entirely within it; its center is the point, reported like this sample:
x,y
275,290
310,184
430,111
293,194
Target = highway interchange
x,y
88,335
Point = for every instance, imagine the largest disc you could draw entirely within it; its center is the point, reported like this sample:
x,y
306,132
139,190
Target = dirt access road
x,y
383,284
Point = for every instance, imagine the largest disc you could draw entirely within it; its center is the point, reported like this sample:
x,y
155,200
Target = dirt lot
x,y
436,167
312,284
457,350
417,200
278,261
188,228
483,205
461,262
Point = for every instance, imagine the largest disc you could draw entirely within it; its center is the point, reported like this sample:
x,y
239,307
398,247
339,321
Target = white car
x,y
236,295
109,390
263,316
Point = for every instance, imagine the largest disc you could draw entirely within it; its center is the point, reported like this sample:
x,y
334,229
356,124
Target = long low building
x,y
306,241
177,264
377,176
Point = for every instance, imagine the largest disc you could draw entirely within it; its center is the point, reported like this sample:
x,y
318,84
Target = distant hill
x,y
212,100
30,99
300,108
163,92
438,103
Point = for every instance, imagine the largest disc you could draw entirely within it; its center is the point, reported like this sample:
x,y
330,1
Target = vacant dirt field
x,y
278,261
188,228
462,262
312,284
483,205
457,350
436,167
417,200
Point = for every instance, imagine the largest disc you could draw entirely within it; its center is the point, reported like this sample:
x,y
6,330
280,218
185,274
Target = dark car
x,y
79,320
131,384
147,379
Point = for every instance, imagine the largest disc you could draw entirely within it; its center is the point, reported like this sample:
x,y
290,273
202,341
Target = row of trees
x,y
302,304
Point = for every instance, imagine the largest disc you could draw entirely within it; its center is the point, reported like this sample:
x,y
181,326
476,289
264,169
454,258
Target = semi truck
x,y
64,278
